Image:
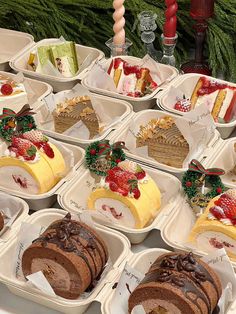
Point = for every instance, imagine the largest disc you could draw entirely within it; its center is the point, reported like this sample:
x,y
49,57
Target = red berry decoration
x,y
136,193
182,106
6,89
93,151
219,190
118,160
188,184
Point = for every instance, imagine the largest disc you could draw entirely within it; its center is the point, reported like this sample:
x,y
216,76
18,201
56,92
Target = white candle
x,y
118,17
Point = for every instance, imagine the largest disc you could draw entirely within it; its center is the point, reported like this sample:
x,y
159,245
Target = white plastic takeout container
x,y
118,247
186,83
39,89
176,231
138,103
140,262
142,118
19,64
73,201
119,111
12,43
45,200
15,204
222,157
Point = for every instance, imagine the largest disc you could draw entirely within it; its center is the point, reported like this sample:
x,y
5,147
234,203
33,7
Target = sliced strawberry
x,y
136,193
217,212
230,212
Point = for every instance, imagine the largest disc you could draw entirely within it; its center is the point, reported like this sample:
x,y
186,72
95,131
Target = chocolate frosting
x,y
184,272
66,234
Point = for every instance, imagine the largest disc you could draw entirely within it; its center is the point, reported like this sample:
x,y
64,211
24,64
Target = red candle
x,y
171,19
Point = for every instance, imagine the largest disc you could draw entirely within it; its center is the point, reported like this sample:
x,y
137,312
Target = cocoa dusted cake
x,y
1,221
70,254
178,284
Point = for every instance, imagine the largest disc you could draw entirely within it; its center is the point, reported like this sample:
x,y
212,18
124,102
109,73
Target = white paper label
x,y
39,281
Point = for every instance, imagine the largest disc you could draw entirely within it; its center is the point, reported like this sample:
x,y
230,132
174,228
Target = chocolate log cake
x,y
1,221
70,254
178,284
165,142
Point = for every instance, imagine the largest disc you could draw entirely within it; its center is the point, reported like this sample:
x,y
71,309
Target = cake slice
x,y
74,110
70,254
131,80
177,284
128,194
216,227
165,142
218,97
63,56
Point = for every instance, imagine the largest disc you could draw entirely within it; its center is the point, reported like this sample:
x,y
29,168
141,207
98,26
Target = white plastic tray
x,y
221,157
19,64
118,110
12,42
186,83
71,200
45,200
16,204
118,247
176,231
146,102
140,262
142,118
39,89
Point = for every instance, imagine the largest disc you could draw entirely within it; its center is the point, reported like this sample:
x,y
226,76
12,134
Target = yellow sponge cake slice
x,y
32,178
129,196
216,227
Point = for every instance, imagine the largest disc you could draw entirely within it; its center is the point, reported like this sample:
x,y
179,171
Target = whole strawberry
x,y
35,136
182,105
6,89
40,141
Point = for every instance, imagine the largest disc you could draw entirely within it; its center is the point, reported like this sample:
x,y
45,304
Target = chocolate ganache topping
x,y
183,271
67,235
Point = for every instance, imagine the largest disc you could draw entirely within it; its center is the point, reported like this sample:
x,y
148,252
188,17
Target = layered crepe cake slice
x,y
165,142
218,97
177,284
76,109
216,227
128,195
70,254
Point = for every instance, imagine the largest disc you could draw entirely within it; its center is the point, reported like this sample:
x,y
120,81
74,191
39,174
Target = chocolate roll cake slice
x,y
70,254
178,284
1,221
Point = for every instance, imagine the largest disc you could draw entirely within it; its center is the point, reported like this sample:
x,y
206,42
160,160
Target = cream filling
x,y
57,275
207,100
18,179
210,240
160,306
127,83
116,211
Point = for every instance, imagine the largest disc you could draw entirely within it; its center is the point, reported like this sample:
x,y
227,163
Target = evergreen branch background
x,y
89,22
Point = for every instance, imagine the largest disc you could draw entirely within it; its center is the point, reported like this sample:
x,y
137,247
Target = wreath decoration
x,y
12,123
100,156
195,178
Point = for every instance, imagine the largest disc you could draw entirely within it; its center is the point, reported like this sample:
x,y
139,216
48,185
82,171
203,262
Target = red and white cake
x,y
220,98
131,80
